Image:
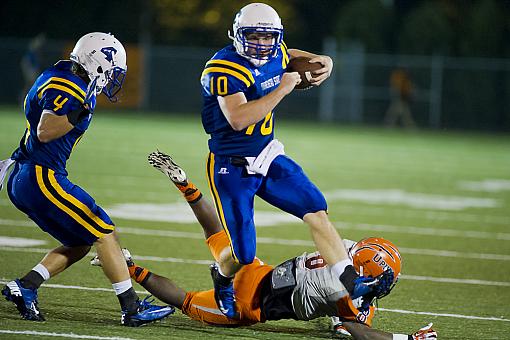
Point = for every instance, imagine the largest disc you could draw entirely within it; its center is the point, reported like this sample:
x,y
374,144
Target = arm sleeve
x,y
222,84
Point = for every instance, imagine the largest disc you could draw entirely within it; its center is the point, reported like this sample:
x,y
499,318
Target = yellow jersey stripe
x,y
65,81
228,71
217,201
241,68
61,88
285,58
70,83
76,217
76,142
27,133
70,198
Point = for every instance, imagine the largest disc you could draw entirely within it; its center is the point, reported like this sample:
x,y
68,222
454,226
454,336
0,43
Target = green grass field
x,y
443,198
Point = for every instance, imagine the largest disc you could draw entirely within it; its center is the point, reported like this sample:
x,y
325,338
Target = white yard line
x,y
339,225
432,215
62,335
305,243
208,262
3,281
460,316
452,280
424,231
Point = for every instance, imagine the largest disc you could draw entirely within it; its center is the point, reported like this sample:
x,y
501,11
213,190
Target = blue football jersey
x,y
57,89
228,73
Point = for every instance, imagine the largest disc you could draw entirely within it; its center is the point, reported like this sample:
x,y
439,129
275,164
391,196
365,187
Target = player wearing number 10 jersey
x,y
241,86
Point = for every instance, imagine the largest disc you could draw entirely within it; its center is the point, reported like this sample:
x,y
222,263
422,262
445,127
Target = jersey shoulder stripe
x,y
62,84
229,67
285,54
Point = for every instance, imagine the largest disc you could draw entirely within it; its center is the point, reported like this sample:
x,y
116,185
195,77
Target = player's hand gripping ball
x,y
305,70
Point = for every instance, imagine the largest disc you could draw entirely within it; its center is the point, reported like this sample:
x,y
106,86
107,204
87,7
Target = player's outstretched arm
x,y
362,331
159,286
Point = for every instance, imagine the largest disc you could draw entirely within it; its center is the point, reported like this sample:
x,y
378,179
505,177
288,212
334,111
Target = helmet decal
x,y
108,52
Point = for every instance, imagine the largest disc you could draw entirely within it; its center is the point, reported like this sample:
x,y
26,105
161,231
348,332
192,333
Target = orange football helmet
x,y
374,256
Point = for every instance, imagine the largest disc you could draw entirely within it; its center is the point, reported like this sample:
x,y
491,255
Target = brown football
x,y
305,69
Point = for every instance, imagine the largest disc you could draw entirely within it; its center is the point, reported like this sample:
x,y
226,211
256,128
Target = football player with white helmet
x,y
241,86
302,288
58,109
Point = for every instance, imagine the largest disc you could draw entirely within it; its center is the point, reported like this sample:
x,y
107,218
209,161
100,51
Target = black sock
x,y
347,278
32,280
128,301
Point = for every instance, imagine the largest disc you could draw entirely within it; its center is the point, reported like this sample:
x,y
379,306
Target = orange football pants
x,y
202,306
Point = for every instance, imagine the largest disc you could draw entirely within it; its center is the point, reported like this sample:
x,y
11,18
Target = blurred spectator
x,y
31,63
402,89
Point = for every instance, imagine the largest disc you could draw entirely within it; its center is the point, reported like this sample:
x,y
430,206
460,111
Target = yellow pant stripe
x,y
62,207
217,201
76,202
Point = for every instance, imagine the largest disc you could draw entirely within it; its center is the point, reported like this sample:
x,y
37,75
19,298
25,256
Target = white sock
x,y
121,287
339,267
43,271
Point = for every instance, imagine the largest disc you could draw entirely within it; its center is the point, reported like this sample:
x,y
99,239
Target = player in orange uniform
x,y
302,288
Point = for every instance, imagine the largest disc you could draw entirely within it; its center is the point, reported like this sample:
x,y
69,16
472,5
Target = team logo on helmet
x,y
109,52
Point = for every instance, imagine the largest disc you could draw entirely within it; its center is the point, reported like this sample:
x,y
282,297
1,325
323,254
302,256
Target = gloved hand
x,y
363,285
425,333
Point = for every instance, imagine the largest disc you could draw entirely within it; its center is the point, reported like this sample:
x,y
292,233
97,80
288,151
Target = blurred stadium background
x,y
456,53
441,192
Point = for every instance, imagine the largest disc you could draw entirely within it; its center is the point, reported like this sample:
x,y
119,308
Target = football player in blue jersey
x,y
58,109
241,86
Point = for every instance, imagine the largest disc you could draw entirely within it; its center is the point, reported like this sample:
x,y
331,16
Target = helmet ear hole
x,y
99,69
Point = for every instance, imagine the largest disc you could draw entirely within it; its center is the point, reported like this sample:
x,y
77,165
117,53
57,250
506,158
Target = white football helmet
x,y
257,18
104,59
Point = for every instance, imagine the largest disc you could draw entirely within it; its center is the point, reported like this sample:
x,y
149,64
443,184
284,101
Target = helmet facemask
x,y
258,53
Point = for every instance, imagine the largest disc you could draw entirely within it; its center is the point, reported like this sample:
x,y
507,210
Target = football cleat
x,y
145,313
95,261
166,165
24,299
223,292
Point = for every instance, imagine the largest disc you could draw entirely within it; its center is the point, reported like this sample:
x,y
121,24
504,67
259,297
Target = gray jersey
x,y
318,292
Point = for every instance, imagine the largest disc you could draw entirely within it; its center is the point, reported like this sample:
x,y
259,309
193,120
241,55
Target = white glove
x,y
95,261
425,333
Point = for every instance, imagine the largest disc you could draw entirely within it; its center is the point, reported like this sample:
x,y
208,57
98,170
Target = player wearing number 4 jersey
x,y
241,86
58,110
302,288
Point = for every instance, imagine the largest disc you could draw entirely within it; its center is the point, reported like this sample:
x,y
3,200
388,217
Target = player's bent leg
x,y
134,311
201,306
63,257
326,237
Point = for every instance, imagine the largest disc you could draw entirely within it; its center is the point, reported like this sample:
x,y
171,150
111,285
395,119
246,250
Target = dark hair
x,y
80,71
